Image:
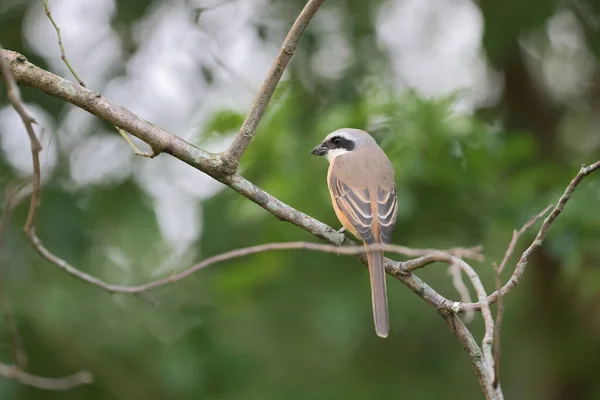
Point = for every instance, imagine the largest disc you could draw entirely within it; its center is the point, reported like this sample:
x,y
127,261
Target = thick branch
x,y
28,74
236,150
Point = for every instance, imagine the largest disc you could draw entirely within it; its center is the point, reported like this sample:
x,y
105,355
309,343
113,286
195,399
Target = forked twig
x,y
500,306
539,239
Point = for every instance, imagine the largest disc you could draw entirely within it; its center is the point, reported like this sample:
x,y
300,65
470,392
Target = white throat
x,y
332,154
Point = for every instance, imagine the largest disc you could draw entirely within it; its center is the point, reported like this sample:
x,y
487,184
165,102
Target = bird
x,y
361,183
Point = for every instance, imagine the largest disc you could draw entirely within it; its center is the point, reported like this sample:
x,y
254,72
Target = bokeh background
x,y
487,110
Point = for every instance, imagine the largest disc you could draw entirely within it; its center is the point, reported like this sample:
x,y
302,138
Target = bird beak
x,y
320,150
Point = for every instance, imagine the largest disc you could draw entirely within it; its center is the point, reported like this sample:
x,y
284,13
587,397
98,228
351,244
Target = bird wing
x,y
387,211
356,205
358,208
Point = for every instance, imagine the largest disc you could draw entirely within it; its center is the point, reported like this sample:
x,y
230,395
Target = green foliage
x,y
296,324
223,122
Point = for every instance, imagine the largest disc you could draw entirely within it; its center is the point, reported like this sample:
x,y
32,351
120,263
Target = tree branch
x,y
28,74
15,372
537,242
474,352
500,306
462,290
482,297
236,150
63,56
395,268
66,383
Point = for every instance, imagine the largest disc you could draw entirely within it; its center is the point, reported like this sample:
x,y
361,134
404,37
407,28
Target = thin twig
x,y
488,337
236,150
14,372
462,289
500,306
499,315
14,97
63,56
230,70
112,288
517,235
539,239
138,152
66,383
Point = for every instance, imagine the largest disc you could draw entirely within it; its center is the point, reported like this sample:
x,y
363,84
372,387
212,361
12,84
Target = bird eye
x,y
336,140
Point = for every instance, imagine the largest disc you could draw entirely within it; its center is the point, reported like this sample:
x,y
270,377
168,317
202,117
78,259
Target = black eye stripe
x,y
339,142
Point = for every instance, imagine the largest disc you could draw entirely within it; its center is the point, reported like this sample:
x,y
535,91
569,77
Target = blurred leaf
x,y
224,122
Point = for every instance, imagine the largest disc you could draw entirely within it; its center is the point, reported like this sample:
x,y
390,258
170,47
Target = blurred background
x,y
487,110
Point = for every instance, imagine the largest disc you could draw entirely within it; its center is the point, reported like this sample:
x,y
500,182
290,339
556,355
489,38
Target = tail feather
x,y
379,293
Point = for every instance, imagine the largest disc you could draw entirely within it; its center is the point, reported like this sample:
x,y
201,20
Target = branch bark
x,y
65,383
475,354
63,56
397,269
236,150
488,338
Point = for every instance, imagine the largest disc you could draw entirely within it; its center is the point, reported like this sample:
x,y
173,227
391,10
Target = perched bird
x,y
363,193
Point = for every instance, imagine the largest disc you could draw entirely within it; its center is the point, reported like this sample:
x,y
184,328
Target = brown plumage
x,y
363,193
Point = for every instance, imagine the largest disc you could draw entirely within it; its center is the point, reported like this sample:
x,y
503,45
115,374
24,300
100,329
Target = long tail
x,y
379,293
